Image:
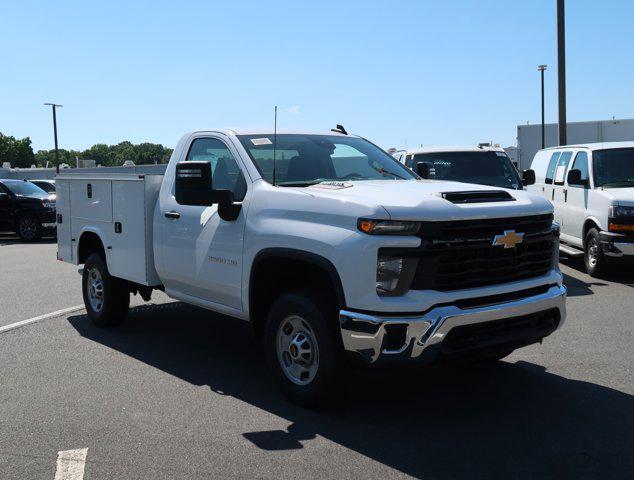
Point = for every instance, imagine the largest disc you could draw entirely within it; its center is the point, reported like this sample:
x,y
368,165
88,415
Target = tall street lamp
x,y
54,106
542,68
561,71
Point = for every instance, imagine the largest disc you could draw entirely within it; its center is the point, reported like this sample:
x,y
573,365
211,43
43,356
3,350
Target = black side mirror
x,y
193,183
423,170
528,177
193,186
574,178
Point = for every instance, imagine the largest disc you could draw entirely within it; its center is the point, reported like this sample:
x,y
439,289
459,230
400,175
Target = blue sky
x,y
401,73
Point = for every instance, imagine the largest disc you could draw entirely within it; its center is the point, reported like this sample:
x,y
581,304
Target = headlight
x,y
621,211
621,219
394,274
387,227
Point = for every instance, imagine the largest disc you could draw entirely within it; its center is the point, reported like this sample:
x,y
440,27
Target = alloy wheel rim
x,y
94,289
297,351
28,228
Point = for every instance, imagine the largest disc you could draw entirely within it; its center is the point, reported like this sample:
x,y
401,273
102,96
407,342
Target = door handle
x,y
174,215
565,194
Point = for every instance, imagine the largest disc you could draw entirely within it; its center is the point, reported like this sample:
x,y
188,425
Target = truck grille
x,y
460,254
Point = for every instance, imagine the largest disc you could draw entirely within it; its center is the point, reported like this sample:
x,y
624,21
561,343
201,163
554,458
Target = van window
x,y
562,168
581,164
550,173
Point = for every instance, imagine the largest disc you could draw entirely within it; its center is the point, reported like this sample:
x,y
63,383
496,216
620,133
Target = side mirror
x,y
423,170
528,177
574,178
193,186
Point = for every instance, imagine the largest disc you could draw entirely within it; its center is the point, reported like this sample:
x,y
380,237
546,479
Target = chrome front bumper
x,y
364,335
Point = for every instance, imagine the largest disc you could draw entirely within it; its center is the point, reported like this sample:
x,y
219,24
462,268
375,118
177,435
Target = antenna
x,y
274,142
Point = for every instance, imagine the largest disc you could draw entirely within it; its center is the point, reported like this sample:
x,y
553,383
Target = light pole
x,y
561,71
54,106
542,68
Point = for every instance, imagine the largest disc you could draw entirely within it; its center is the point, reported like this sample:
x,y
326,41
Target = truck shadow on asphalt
x,y
508,420
8,239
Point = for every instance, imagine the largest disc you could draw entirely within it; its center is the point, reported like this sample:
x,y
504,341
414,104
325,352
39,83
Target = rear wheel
x,y
593,257
29,227
106,298
302,350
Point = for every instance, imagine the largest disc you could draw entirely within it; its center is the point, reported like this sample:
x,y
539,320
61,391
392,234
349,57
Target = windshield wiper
x,y
383,171
302,183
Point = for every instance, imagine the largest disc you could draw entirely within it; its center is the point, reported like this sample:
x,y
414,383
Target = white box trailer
x,y
529,137
119,209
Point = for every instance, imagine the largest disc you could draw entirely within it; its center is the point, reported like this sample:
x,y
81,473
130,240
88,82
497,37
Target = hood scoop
x,y
478,196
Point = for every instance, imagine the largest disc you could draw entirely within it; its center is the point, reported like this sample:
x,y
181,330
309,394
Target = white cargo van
x,y
592,189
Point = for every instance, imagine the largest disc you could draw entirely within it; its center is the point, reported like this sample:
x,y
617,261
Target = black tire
x,y
593,257
315,311
29,227
114,294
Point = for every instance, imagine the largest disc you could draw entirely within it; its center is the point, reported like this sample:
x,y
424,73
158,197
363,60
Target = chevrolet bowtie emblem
x,y
510,239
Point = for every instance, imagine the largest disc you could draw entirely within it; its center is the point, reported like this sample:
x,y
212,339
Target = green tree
x,y
18,153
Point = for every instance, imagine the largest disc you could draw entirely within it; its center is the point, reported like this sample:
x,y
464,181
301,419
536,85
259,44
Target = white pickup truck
x,y
332,250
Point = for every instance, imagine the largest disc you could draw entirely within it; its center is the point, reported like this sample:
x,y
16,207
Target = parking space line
x,y
57,313
70,464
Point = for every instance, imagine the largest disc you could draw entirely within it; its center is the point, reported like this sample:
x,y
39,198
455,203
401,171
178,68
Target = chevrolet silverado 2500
x,y
328,246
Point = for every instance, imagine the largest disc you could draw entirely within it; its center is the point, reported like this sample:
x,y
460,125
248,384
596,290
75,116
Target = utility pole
x,y
561,70
54,106
542,68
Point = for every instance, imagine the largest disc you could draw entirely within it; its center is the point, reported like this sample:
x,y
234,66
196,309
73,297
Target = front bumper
x,y
424,338
616,245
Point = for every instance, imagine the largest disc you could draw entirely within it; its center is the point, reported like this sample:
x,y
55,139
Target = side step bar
x,y
568,250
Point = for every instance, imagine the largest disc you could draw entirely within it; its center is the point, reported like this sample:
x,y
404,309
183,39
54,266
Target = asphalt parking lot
x,y
179,392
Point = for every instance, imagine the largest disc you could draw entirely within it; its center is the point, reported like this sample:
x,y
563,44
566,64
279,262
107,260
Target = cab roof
x,y
595,146
452,149
268,132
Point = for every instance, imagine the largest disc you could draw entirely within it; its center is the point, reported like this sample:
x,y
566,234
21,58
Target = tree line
x,y
19,153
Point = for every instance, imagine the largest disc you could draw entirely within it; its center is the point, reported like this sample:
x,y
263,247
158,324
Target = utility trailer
x,y
119,210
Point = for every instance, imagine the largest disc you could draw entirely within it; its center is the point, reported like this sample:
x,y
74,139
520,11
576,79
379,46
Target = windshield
x,y
19,187
613,168
484,168
46,186
309,159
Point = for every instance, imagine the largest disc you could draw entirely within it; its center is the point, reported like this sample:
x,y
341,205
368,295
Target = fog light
x,y
388,272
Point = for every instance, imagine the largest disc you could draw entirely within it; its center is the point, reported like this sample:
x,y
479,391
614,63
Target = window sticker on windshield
x,y
500,154
261,141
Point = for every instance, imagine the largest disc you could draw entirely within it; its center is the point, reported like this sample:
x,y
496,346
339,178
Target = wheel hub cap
x,y
297,350
95,290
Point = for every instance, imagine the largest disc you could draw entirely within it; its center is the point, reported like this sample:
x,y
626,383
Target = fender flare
x,y
96,231
301,255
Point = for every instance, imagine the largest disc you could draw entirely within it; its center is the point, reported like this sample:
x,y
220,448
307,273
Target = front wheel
x,y
302,350
593,255
106,298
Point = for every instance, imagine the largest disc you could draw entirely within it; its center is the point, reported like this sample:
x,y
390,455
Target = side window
x,y
550,173
225,173
581,164
562,168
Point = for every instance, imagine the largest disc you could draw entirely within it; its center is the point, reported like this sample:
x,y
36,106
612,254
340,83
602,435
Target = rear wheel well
x,y
89,242
274,274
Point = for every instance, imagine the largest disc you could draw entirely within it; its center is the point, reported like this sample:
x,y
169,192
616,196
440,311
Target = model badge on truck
x,y
510,239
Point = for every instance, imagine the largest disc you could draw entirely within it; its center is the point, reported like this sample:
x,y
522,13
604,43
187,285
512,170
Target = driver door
x,y
202,253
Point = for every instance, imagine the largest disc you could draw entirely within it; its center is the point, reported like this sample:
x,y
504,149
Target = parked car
x,y
483,165
332,250
592,189
26,209
47,185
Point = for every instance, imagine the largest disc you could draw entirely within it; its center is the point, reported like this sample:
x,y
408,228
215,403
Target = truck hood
x,y
422,199
620,196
